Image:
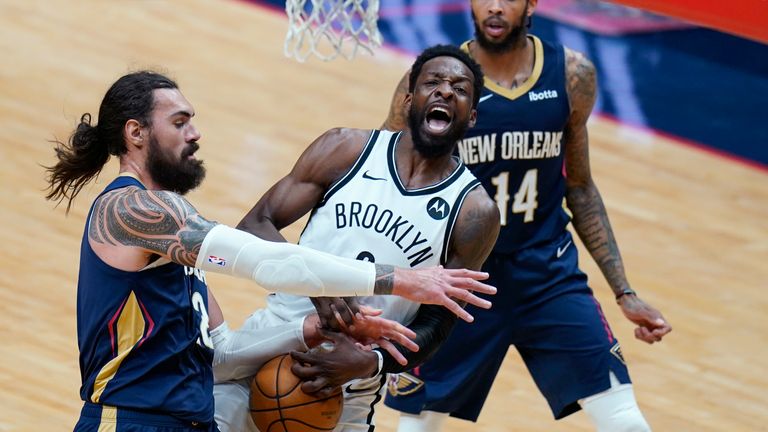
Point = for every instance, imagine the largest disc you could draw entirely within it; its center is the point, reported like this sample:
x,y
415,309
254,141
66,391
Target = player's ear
x,y
472,118
407,102
134,133
531,7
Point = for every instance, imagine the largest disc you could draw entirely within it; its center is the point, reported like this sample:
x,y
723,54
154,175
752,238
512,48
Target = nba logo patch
x,y
403,384
217,261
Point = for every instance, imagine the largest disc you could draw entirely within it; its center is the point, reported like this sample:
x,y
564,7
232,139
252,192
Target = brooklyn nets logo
x,y
437,208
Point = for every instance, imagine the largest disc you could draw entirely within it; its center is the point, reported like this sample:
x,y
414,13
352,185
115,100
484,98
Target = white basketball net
x,y
329,28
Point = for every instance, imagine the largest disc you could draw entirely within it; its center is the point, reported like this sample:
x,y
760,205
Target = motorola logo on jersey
x,y
438,208
546,94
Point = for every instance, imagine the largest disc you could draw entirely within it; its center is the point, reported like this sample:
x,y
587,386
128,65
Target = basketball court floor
x,y
691,225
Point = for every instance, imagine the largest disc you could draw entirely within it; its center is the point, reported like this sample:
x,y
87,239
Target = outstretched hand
x,y
365,325
651,325
444,287
369,328
322,371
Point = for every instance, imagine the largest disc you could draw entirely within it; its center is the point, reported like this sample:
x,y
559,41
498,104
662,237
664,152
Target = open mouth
x,y
494,28
438,119
190,152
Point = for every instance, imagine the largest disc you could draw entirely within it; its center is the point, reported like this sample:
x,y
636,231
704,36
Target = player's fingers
x,y
662,324
314,385
365,310
395,328
402,340
466,273
470,298
342,325
306,373
639,334
342,311
326,392
365,346
473,286
644,335
302,357
663,330
400,334
457,310
393,351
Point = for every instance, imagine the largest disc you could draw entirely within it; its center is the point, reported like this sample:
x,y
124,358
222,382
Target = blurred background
x,y
663,72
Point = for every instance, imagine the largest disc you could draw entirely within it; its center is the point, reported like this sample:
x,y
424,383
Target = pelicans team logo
x,y
616,351
438,209
403,384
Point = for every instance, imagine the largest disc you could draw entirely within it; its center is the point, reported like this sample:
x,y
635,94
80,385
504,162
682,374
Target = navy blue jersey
x,y
143,336
516,150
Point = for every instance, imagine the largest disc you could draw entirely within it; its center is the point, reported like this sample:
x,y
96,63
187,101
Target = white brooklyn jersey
x,y
369,215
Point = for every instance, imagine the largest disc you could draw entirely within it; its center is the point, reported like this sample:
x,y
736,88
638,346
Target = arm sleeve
x,y
240,353
432,326
284,267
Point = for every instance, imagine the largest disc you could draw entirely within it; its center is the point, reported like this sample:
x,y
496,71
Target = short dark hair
x,y
450,51
89,147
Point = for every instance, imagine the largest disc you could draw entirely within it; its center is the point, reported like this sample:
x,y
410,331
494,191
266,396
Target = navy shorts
x,y
544,308
95,417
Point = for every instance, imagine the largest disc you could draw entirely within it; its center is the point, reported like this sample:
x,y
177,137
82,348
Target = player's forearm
x,y
260,226
289,268
590,220
432,325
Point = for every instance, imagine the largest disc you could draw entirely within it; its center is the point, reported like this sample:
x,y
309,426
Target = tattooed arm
x,y
129,226
398,118
472,240
590,219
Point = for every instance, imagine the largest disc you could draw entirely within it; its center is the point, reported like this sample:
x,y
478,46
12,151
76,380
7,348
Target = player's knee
x,y
615,410
629,419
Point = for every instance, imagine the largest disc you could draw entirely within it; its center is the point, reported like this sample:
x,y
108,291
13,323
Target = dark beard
x,y
433,147
177,176
505,44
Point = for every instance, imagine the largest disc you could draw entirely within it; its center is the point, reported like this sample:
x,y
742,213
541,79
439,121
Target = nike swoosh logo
x,y
561,251
486,97
366,176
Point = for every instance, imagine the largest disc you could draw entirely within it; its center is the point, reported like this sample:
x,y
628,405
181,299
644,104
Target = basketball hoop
x,y
329,28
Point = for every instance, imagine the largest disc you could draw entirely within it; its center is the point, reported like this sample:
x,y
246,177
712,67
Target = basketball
x,y
279,405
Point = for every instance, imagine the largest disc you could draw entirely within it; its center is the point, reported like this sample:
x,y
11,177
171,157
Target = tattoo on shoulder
x,y
159,221
385,279
581,81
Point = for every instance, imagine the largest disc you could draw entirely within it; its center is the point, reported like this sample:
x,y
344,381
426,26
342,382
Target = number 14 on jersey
x,y
525,198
